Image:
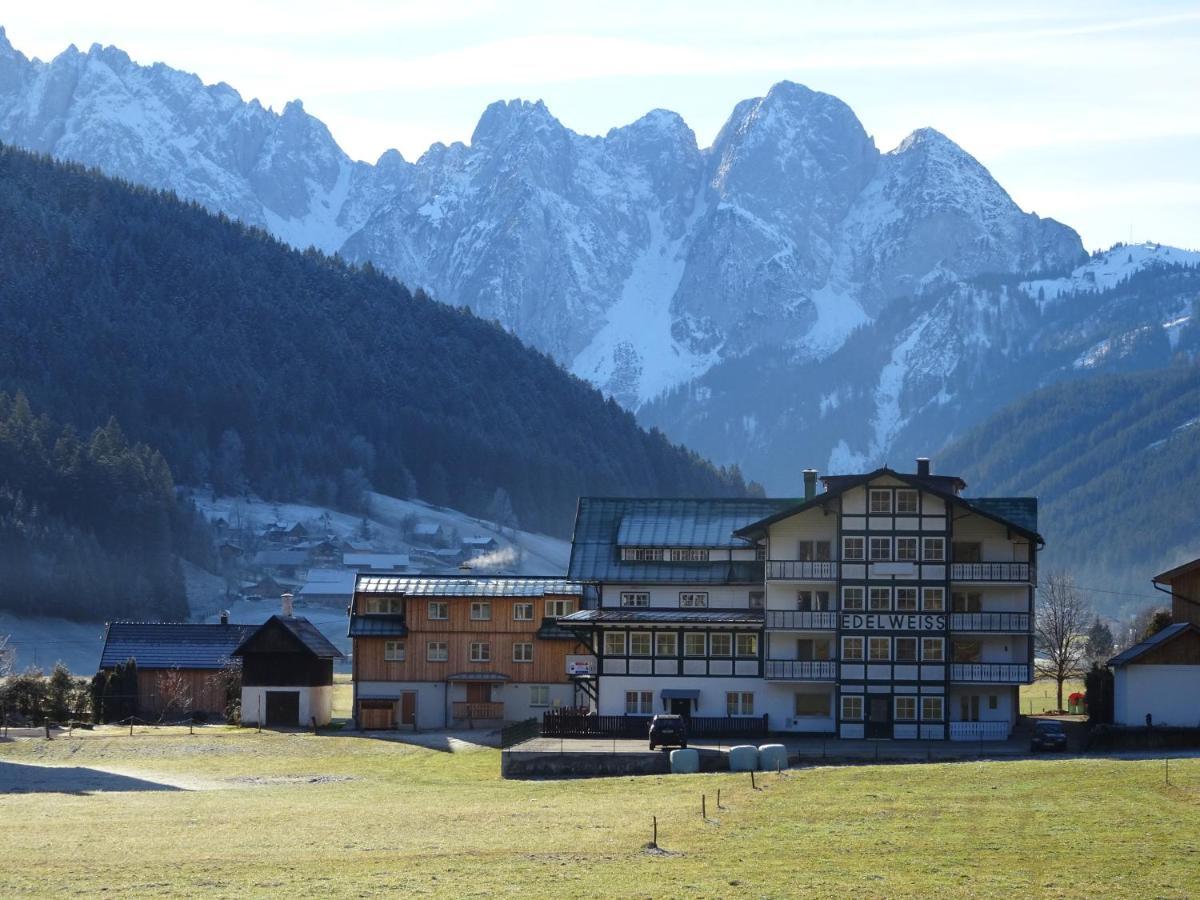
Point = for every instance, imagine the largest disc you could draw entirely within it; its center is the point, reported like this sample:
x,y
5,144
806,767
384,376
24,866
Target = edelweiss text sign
x,y
893,621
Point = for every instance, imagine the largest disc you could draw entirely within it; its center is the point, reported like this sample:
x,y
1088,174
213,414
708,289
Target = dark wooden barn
x,y
287,674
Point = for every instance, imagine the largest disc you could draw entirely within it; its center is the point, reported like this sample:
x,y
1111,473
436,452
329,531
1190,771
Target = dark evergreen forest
x,y
89,528
254,366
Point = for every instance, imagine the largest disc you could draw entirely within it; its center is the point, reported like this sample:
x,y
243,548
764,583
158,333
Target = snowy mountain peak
x,y
504,120
1108,269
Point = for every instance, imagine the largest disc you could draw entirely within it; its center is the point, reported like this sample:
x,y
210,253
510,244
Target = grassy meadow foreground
x,y
235,813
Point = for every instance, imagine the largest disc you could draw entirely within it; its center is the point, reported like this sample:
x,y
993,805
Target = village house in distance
x,y
888,605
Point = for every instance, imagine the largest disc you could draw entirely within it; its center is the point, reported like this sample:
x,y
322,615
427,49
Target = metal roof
x,y
1020,511
377,625
665,616
1181,569
603,524
479,586
376,560
171,645
1137,650
329,583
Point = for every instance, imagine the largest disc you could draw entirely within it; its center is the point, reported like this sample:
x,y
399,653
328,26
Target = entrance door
x,y
283,709
968,706
408,709
879,718
681,706
479,693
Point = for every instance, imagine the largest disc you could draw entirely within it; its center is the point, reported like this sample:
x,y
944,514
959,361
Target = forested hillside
x,y
1115,462
248,363
89,528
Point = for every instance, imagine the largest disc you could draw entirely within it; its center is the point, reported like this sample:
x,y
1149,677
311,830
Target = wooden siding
x,y
1186,585
1182,650
206,694
549,665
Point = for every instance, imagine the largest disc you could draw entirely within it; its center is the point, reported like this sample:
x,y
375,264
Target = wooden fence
x,y
578,725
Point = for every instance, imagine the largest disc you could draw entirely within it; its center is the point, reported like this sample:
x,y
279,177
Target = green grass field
x,y
1042,695
273,814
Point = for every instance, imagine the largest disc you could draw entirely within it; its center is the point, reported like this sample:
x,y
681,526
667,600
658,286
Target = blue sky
x,y
1085,111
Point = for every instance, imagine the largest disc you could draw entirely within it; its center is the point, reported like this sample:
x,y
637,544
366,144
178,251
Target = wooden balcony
x,y
994,622
801,570
468,711
990,571
801,670
801,620
990,673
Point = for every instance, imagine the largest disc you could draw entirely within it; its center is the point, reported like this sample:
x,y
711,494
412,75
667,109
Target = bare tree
x,y
8,656
1061,631
175,693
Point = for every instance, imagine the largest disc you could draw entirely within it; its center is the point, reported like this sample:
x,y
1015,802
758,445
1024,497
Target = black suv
x,y
667,730
1048,735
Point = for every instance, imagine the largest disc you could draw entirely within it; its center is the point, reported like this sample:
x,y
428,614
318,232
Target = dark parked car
x,y
666,730
1048,735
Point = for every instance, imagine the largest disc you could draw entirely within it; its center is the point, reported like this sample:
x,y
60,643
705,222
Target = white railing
x,y
993,621
801,620
801,670
979,731
989,571
801,570
990,673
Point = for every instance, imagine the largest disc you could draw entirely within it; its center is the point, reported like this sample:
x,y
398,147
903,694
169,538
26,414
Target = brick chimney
x,y
923,466
286,603
810,483
224,617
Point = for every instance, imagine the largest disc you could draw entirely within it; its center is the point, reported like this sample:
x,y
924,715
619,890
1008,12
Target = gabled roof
x,y
304,631
1137,650
329,583
604,524
1023,509
171,645
1174,573
467,586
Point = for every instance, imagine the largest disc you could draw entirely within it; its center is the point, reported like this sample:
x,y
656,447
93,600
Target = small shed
x,y
1160,678
287,674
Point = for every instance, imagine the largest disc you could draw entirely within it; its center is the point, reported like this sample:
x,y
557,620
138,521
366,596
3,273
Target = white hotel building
x,y
887,605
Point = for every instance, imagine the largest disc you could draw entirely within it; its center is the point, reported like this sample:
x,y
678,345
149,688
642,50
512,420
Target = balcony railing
x,y
990,673
801,620
472,711
801,570
801,670
989,571
979,731
990,621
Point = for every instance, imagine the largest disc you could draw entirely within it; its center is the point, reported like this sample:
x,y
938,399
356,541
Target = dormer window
x,y
665,554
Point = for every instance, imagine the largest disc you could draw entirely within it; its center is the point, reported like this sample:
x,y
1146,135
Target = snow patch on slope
x,y
1109,269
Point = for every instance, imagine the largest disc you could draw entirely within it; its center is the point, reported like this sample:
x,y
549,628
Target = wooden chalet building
x,y
1160,677
287,673
435,652
887,605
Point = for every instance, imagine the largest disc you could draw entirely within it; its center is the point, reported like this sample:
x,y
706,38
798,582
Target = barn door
x,y
408,709
283,709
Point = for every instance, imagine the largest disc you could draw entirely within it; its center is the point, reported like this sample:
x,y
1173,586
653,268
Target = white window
x,y
635,598
439,610
639,643
906,502
739,703
689,555
814,551
906,549
642,554
881,502
693,599
393,651
933,599
879,649
639,703
720,644
666,644
523,612
385,605
906,599
557,608
481,651
931,709
933,649
852,548
852,598
481,610
614,643
436,651
906,709
760,553
523,652
539,695
852,707
935,549
747,645
881,548
906,649
852,649
694,643
881,599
